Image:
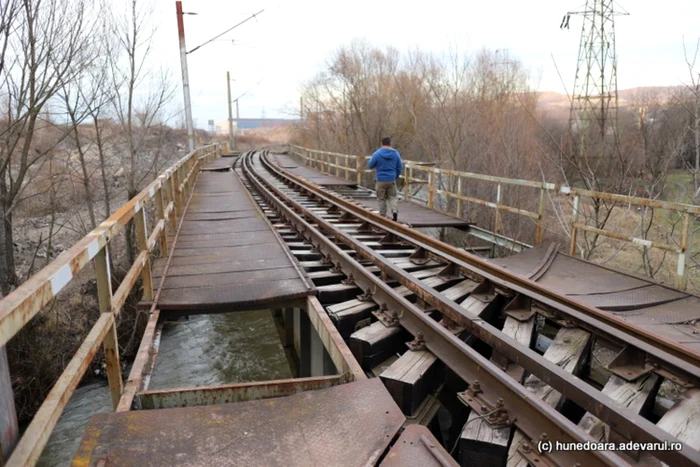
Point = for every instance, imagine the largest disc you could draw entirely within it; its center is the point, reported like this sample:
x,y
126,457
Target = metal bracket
x,y
346,216
388,239
366,227
350,280
365,297
420,256
630,364
336,268
327,259
496,416
520,308
418,343
533,457
388,318
450,272
452,326
332,209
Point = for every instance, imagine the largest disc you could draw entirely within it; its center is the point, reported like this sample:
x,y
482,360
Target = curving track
x,y
470,314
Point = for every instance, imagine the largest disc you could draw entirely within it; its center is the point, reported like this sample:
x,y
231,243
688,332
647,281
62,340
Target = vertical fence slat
x,y
497,217
539,233
431,188
682,271
160,206
574,231
459,200
142,240
110,344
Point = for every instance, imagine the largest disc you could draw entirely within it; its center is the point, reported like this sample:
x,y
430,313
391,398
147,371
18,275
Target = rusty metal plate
x,y
347,425
524,263
641,297
227,256
572,276
417,447
221,164
417,215
679,311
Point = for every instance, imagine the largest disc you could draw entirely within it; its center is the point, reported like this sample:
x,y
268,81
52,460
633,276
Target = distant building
x,y
222,127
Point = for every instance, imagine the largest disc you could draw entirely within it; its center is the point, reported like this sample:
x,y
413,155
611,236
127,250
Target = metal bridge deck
x,y
414,214
346,425
664,311
227,256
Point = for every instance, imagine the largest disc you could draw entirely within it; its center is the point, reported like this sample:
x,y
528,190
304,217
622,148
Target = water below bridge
x,y
200,350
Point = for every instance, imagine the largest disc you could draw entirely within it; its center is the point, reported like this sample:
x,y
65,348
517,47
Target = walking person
x,y
387,161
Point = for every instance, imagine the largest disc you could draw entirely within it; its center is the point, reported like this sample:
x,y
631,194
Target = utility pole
x,y
185,78
237,116
230,116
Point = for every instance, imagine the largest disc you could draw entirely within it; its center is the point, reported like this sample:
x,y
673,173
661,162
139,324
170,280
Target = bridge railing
x,y
169,192
352,167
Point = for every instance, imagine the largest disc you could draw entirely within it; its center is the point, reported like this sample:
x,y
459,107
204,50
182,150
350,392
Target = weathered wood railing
x,y
352,167
169,192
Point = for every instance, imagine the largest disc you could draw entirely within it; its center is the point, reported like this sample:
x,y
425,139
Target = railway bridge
x,y
405,349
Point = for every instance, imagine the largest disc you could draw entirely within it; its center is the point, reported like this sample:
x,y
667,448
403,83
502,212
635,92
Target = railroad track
x,y
478,319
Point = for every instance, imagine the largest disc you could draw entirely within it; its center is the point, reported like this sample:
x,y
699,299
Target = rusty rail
x,y
412,318
356,165
168,192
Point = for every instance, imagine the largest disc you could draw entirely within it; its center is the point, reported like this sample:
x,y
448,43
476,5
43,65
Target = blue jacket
x,y
388,164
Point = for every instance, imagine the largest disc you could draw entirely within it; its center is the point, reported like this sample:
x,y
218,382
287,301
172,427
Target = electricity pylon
x,y
594,100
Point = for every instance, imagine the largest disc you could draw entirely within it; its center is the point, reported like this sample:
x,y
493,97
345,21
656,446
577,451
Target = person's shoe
x,y
395,216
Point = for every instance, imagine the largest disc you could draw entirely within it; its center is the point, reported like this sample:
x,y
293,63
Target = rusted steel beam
x,y
630,424
143,363
332,341
37,434
238,392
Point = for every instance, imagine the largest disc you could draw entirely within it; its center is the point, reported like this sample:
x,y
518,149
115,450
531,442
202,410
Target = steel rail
x,y
623,420
670,356
532,415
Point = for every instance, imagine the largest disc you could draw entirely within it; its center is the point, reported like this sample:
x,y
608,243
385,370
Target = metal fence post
x,y
142,239
497,218
574,231
431,188
682,271
459,199
110,344
539,232
160,206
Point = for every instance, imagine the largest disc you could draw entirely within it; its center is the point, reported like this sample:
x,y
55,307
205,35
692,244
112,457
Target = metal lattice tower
x,y
594,100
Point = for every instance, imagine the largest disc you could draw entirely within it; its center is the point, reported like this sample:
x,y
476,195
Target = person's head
x,y
386,141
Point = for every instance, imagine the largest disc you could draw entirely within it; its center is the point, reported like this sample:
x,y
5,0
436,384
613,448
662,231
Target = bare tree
x,y
43,50
137,110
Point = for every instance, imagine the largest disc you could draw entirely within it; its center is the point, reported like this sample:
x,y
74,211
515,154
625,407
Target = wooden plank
x,y
375,343
683,420
637,396
569,351
411,378
479,444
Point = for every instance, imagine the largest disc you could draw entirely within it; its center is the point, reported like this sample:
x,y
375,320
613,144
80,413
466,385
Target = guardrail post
x,y
175,182
431,188
142,239
682,271
539,232
327,159
359,168
172,196
110,345
574,231
347,174
459,199
497,218
160,206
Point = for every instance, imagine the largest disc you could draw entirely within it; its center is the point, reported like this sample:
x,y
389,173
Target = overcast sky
x,y
291,41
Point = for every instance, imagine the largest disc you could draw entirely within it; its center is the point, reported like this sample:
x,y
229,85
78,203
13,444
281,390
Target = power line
x,y
254,15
